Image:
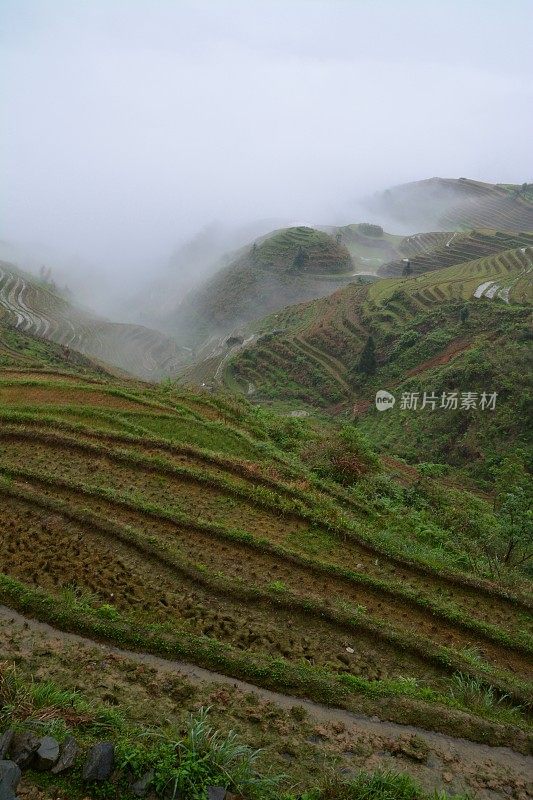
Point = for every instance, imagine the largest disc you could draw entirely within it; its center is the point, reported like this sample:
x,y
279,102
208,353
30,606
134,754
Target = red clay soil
x,y
450,352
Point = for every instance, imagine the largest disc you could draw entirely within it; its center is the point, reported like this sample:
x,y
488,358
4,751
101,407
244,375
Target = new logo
x,y
384,400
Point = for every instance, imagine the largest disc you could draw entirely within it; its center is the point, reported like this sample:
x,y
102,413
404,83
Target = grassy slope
x,y
184,524
144,465
145,707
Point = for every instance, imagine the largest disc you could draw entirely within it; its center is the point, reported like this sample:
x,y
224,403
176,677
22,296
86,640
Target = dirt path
x,y
451,762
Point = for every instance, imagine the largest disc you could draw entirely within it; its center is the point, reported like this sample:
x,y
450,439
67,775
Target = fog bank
x,y
129,126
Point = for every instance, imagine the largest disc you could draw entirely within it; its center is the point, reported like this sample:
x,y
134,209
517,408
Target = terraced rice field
x,y
33,308
431,251
488,206
169,521
457,205
461,281
309,353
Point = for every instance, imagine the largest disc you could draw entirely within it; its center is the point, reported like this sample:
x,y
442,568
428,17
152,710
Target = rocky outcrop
x,y
46,754
100,762
24,750
9,780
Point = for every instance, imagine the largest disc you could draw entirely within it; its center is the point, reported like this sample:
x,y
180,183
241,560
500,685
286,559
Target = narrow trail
x,y
470,752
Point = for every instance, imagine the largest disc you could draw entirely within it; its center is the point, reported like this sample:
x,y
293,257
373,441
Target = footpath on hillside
x,y
454,764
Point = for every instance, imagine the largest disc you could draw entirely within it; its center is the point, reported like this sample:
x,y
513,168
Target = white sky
x,y
128,124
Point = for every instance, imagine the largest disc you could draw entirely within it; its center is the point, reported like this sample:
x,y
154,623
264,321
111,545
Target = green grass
x,y
182,762
267,492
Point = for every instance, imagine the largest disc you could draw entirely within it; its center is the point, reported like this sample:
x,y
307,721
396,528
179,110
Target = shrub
x,y
482,698
345,456
367,360
430,470
108,611
367,229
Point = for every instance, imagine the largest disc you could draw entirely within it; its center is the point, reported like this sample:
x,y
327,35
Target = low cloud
x,y
128,127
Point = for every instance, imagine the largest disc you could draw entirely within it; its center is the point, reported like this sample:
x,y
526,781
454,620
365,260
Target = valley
x,y
221,521
36,308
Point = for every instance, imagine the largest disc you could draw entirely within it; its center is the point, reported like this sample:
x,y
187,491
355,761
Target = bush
x,y
208,757
367,229
345,457
429,470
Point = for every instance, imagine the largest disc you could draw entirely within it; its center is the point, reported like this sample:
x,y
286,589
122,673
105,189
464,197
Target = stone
x,y
23,747
100,761
434,762
47,753
9,780
216,793
67,757
5,742
140,787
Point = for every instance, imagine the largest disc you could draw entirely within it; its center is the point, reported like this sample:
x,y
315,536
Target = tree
x,y
300,259
367,229
511,544
367,360
464,314
407,270
517,524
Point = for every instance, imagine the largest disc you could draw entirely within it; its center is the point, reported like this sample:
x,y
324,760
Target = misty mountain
x,y
289,265
454,204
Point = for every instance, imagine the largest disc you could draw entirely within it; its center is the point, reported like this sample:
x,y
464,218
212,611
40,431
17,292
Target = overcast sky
x,y
127,125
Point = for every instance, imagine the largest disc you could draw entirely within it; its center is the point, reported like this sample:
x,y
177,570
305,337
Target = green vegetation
x,y
420,334
314,509
367,359
180,760
307,543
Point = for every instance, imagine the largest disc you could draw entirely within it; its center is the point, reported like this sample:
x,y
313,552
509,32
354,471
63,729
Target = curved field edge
x,y
406,704
412,597
222,585
274,495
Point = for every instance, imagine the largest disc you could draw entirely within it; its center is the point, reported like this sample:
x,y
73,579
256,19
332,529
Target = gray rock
x,y
5,742
67,759
216,793
23,747
100,761
47,753
9,780
140,787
